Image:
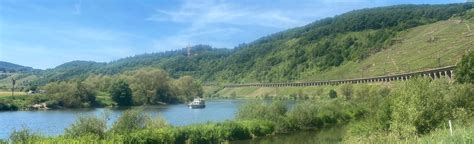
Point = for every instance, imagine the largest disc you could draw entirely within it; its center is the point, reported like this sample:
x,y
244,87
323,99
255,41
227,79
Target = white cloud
x,y
199,14
215,22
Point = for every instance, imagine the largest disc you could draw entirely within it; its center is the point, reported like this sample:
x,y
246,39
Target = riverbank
x,y
414,111
27,102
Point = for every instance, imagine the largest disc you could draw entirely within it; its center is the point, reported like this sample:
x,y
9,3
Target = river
x,y
53,122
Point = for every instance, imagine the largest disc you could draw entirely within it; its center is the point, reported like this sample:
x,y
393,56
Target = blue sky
x,y
44,34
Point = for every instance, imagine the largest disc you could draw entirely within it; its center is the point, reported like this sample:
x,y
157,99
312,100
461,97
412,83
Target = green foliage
x,y
163,135
121,93
87,125
346,90
419,106
413,109
465,69
129,121
7,107
332,94
305,116
188,88
283,56
157,123
72,94
258,128
24,136
262,111
150,86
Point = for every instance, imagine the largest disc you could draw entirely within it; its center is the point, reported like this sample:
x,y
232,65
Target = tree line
x,y
140,87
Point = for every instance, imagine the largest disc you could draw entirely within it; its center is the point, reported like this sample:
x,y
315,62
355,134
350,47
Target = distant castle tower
x,y
189,50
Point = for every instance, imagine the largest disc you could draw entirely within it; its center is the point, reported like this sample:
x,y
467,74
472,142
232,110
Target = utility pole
x,y
13,86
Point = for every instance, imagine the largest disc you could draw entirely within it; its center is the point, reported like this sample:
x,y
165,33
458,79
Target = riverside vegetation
x,y
414,111
139,87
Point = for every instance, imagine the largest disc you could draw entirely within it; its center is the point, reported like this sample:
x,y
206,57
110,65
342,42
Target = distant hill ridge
x,y
11,67
318,48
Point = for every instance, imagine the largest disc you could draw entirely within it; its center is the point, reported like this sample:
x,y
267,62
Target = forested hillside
x,y
289,55
7,67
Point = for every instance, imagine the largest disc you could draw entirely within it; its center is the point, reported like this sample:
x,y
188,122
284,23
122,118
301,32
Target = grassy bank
x,y
310,92
415,111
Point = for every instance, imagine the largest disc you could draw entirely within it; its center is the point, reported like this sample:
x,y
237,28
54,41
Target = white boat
x,y
197,103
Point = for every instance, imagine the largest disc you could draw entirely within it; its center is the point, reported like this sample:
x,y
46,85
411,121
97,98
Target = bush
x,y
216,133
121,93
152,136
8,107
72,94
87,125
346,90
24,136
258,128
262,111
332,94
465,69
129,121
304,116
419,106
157,123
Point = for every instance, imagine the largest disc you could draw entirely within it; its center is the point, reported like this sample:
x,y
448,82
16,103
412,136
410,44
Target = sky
x,y
44,34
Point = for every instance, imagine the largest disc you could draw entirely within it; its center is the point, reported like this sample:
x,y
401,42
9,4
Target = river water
x,y
53,122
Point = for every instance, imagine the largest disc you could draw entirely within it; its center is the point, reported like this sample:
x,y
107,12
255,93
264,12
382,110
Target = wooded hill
x,y
300,53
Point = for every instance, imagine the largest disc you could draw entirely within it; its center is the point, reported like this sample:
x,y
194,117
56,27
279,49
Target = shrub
x,y
258,128
465,69
419,106
163,135
24,136
8,107
121,93
87,125
130,120
72,94
304,116
157,123
262,111
332,94
347,91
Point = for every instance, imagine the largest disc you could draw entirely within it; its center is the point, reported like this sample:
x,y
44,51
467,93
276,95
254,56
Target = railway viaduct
x,y
447,71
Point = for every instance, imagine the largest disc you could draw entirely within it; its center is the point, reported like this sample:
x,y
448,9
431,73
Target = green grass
x,y
104,99
314,92
413,53
9,93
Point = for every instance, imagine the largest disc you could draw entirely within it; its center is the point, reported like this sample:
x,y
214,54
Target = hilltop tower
x,y
189,50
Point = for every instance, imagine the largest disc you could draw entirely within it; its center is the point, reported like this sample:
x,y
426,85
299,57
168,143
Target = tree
x,y
465,69
346,90
71,94
150,86
332,94
188,88
121,93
